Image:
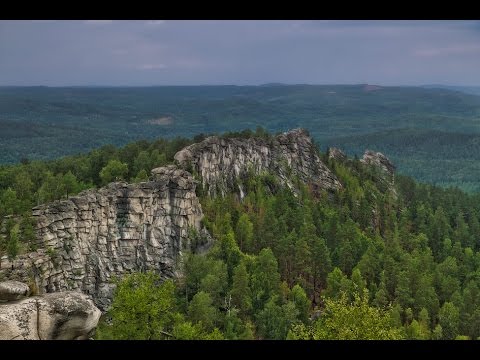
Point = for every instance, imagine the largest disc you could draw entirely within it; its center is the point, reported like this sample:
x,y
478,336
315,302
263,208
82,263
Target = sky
x,y
238,52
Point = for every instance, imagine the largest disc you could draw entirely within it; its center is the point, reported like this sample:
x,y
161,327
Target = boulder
x,y
56,316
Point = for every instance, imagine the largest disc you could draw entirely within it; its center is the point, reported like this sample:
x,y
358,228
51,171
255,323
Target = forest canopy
x,y
370,261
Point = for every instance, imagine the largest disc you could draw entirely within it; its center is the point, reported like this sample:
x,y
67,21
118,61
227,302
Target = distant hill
x,y
46,122
474,90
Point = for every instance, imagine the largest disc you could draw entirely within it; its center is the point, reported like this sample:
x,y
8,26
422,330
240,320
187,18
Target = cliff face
x,y
88,239
220,161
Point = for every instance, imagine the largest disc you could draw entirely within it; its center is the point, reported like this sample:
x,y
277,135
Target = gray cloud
x,y
98,22
238,52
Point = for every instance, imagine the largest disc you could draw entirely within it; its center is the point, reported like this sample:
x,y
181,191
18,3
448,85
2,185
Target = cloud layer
x,y
159,52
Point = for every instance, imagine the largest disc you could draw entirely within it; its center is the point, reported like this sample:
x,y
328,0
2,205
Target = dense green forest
x,y
42,123
371,261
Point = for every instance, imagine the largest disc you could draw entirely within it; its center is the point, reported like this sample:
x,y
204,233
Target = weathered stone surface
x,y
111,231
13,290
381,161
220,162
58,316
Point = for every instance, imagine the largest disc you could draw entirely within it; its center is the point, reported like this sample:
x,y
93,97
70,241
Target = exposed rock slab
x,y
221,161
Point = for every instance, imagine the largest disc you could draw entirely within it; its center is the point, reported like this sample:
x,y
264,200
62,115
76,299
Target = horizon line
x,y
236,85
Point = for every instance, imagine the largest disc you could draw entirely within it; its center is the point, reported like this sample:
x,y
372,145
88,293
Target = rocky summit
x,y
337,154
221,161
380,161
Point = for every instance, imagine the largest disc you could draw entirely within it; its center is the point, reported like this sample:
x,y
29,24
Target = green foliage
x,y
265,279
449,320
299,298
346,320
8,201
241,293
114,171
244,233
431,134
70,183
28,232
142,307
30,183
202,311
141,176
274,320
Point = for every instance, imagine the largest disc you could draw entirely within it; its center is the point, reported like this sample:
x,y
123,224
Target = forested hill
x,y
46,123
377,257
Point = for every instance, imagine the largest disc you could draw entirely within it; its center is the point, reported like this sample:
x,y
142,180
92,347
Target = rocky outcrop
x,y
220,162
57,316
381,161
86,241
13,290
336,154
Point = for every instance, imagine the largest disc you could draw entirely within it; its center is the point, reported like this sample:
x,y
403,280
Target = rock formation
x,y
386,176
90,239
336,154
378,159
221,161
57,316
87,240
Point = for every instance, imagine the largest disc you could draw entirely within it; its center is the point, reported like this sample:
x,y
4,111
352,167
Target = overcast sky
x,y
157,52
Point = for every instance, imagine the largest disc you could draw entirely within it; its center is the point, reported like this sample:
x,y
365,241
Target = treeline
x,y
369,262
30,183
